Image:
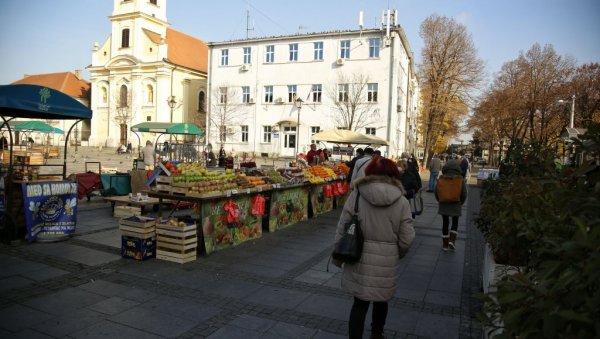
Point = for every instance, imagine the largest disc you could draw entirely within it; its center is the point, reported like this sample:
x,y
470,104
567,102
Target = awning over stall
x,y
167,127
38,102
34,126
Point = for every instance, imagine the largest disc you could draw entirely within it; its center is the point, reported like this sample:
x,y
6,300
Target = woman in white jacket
x,y
387,226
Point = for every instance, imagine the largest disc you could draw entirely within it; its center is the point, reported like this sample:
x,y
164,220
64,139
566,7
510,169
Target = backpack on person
x,y
449,188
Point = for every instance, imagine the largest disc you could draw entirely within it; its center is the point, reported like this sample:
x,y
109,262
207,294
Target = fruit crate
x,y
127,211
138,226
176,241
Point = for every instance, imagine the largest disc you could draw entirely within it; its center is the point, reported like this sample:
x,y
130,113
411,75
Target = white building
x,y
362,80
141,70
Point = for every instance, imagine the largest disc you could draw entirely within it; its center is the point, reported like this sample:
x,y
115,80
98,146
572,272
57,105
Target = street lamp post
x,y
572,121
298,104
171,102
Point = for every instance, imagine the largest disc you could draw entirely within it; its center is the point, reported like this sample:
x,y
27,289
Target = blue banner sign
x,y
50,208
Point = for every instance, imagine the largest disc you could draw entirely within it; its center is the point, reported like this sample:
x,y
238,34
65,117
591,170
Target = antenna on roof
x,y
361,22
248,28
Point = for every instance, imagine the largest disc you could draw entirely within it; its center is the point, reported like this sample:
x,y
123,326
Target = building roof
x,y
66,82
187,51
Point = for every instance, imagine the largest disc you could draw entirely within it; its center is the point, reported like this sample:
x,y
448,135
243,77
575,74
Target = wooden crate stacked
x,y
176,241
163,184
138,237
124,211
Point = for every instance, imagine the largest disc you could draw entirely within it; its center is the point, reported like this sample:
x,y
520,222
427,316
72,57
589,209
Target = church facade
x,y
145,71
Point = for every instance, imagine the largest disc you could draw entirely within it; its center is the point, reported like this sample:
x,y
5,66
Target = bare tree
x,y
586,88
123,111
450,70
226,111
354,102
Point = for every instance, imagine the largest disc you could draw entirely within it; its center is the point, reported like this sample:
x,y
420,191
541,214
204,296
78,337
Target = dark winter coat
x,y
387,225
452,208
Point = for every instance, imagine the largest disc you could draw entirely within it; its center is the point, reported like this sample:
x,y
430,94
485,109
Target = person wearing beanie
x,y
387,225
451,171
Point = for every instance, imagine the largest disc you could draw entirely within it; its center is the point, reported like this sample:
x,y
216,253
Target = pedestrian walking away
x,y
451,194
361,164
149,155
435,165
387,227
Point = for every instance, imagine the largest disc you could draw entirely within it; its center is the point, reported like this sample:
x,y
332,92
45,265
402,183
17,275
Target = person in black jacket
x,y
359,154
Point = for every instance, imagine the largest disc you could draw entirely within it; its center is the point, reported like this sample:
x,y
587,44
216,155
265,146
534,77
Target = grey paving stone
x,y
315,277
11,282
108,329
66,324
181,308
335,281
154,322
326,335
259,270
284,330
76,253
253,323
278,297
44,273
109,289
398,320
229,332
331,307
447,283
110,237
27,334
18,317
273,262
442,298
416,295
113,305
64,301
417,282
15,266
233,289
435,326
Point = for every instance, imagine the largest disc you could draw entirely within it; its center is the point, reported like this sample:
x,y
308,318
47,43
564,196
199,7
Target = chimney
x,y
78,74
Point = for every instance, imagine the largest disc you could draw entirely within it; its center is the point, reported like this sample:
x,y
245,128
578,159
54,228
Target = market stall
x,y
185,151
36,208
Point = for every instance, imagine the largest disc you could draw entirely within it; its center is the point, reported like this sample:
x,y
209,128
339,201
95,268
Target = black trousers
x,y
359,313
446,221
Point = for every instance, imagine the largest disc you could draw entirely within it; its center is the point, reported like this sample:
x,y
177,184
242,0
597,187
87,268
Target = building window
x,y
318,50
345,49
372,92
123,96
374,48
149,94
125,38
153,2
201,101
244,133
267,131
291,93
104,94
343,92
224,57
247,55
268,93
148,118
293,52
316,92
289,137
245,94
222,95
314,130
270,54
370,130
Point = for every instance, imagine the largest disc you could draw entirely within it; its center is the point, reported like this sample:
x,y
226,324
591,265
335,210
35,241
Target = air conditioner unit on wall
x,y
339,61
230,130
251,100
279,100
245,67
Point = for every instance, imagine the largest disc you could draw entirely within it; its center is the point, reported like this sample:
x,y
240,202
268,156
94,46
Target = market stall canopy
x,y
34,126
342,136
167,127
38,102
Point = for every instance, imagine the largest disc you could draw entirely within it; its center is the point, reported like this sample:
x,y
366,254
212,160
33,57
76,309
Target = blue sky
x,y
44,36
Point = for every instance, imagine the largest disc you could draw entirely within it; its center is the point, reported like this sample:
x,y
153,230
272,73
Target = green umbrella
x,y
36,126
167,127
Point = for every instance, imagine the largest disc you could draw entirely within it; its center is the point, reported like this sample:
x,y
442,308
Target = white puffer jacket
x,y
387,226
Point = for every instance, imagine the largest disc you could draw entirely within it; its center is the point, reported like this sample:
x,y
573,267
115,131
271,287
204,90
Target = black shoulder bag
x,y
349,248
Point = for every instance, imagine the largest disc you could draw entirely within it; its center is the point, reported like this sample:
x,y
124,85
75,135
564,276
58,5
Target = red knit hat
x,y
382,166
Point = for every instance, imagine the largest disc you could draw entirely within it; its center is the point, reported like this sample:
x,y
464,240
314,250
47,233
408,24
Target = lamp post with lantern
x,y
171,102
298,104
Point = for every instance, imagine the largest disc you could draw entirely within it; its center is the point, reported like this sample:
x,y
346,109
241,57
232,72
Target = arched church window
x,y
149,94
123,96
125,38
201,102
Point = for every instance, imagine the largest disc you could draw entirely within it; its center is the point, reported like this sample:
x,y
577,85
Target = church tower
x,y
145,72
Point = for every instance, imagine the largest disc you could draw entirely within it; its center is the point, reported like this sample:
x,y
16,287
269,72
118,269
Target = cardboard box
x,y
138,249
